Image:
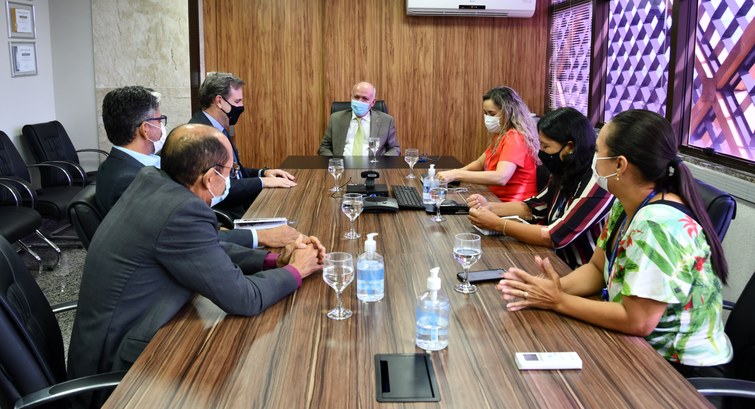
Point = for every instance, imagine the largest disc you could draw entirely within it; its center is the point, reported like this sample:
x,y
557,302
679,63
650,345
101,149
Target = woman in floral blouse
x,y
658,260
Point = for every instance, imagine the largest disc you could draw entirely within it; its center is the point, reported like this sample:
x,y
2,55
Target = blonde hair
x,y
517,116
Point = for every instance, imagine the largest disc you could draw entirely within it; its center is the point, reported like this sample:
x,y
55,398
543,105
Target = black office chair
x,y
31,346
49,142
84,214
344,105
18,222
721,206
740,327
225,218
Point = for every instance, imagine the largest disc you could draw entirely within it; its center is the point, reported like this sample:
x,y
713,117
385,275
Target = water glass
x,y
411,156
467,250
438,195
338,273
335,167
374,144
351,205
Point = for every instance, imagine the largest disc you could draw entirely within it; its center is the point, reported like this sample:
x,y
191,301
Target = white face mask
x,y
601,180
217,199
163,136
493,123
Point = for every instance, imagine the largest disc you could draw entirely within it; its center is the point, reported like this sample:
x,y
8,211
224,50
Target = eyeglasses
x,y
162,118
235,170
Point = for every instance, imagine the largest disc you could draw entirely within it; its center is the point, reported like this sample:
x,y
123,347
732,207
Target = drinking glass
x,y
374,144
351,205
335,167
338,273
467,250
411,156
438,194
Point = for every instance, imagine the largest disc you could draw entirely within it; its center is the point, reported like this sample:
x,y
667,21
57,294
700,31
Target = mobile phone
x,y
482,276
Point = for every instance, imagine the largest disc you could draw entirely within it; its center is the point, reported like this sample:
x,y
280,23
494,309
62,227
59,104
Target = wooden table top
x,y
293,356
362,162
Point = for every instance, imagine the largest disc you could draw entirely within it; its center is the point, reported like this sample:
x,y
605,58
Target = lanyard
x,y
612,255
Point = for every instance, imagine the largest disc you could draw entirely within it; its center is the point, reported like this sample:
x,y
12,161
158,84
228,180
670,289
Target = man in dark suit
x,y
159,246
221,97
349,131
130,115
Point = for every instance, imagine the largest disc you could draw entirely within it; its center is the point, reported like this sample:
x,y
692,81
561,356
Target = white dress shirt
x,y
348,148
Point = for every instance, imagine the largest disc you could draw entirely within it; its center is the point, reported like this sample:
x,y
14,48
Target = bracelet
x,y
505,222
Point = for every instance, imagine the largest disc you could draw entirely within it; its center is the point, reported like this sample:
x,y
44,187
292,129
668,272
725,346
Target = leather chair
x,y
721,206
31,346
49,142
84,214
344,105
18,222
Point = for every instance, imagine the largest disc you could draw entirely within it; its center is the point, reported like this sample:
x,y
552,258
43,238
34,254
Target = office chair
x,y
344,105
740,327
84,214
49,142
225,219
31,347
721,206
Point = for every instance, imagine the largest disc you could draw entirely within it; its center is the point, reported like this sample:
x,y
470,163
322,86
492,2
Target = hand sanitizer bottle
x,y
433,311
428,183
370,272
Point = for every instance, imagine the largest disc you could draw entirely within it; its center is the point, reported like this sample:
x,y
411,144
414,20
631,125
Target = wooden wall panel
x,y
298,56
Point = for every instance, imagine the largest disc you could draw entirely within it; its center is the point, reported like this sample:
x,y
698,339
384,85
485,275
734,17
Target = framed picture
x,y
23,58
21,20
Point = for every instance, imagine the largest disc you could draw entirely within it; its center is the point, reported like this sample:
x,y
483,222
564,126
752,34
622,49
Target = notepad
x,y
259,223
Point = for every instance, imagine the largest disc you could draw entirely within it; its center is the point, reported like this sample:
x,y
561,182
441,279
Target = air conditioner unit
x,y
474,8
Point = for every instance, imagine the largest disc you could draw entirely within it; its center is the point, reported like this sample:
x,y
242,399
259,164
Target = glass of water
x,y
438,195
411,156
338,273
467,250
374,144
351,205
335,167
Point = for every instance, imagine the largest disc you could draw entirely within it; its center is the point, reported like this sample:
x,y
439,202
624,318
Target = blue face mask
x,y
218,199
360,108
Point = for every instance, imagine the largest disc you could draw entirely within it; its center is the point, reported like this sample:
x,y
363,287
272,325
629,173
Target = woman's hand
x,y
541,292
476,201
448,176
484,218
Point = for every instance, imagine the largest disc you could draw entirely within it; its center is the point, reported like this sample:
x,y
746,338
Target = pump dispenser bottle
x,y
428,183
433,311
370,272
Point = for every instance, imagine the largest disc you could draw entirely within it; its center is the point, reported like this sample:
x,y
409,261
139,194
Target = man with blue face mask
x,y
349,131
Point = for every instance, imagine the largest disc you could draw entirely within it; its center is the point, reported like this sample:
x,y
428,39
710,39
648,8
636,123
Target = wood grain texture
x,y
298,56
293,356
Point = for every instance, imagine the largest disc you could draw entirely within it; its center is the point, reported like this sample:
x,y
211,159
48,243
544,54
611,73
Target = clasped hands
x,y
480,214
522,290
306,254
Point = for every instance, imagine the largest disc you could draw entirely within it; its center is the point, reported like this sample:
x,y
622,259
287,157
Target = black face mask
x,y
552,161
234,113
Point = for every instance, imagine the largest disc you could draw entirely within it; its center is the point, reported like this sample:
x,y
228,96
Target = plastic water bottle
x,y
433,311
428,183
370,272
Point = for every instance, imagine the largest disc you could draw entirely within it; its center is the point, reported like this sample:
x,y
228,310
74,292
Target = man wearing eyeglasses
x,y
136,128
221,97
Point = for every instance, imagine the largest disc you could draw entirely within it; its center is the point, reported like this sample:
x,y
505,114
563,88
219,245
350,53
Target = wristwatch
x,y
263,170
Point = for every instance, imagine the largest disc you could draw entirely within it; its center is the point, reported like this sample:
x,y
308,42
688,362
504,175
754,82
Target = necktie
x,y
356,150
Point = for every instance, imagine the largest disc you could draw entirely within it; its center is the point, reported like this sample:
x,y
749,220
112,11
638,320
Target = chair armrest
x,y
729,305
74,165
100,151
224,219
724,387
46,164
23,186
13,192
70,388
64,306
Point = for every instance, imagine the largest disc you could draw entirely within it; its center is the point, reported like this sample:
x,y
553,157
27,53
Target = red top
x,y
523,183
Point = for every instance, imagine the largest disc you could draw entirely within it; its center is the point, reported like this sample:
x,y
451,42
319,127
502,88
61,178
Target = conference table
x,y
293,356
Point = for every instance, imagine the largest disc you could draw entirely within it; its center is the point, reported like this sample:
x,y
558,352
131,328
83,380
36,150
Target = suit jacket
x,y
244,190
115,175
381,124
156,248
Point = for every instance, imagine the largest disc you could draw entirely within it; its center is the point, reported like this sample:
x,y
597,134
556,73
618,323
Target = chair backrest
x,y
721,206
344,105
11,164
740,327
49,141
84,214
31,346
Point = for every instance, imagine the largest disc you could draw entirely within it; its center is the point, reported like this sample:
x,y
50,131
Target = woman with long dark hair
x,y
658,262
569,212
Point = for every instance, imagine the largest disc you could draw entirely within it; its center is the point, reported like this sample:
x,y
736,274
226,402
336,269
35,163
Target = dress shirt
x,y
146,160
347,149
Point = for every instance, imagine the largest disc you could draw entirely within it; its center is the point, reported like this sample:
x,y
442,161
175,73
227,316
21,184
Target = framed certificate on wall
x,y
23,58
21,20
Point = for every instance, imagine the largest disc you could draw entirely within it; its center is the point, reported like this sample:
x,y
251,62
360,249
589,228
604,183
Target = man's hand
x,y
278,173
277,181
280,236
306,254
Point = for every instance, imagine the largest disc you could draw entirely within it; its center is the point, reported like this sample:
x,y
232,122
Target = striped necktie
x,y
356,150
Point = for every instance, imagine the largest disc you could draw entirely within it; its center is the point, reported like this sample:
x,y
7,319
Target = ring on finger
x,y
525,294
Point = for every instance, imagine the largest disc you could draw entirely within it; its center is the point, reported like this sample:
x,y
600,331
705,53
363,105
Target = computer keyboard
x,y
407,197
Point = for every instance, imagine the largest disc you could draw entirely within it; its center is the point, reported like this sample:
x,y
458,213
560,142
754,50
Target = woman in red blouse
x,y
509,164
